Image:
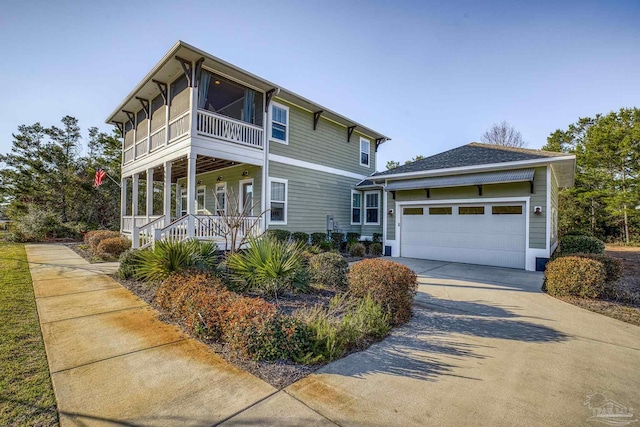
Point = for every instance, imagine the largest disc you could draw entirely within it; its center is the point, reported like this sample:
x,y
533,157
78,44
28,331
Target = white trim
x,y
286,200
360,152
314,166
530,253
364,203
352,207
215,196
241,194
548,209
465,169
287,125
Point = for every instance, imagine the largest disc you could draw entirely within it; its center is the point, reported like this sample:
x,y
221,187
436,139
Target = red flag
x,y
100,174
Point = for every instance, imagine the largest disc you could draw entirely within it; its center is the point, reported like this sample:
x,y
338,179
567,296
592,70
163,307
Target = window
x,y
200,200
183,201
372,207
246,196
471,210
279,123
226,97
278,201
413,211
441,211
365,149
356,207
221,198
506,210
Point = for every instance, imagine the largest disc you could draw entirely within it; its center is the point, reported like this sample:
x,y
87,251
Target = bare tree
x,y
237,224
503,134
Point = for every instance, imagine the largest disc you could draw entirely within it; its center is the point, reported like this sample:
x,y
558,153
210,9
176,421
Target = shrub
x,y
356,250
112,246
390,284
353,237
375,249
168,257
579,244
573,275
613,269
300,236
329,269
346,324
98,236
268,265
326,246
337,239
377,237
318,238
128,263
280,235
38,225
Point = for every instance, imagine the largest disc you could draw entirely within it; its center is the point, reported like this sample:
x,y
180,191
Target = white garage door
x,y
487,234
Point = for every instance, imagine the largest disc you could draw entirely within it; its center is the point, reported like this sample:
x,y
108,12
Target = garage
x,y
475,233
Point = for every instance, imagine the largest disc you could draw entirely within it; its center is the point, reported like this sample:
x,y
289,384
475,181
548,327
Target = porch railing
x,y
129,221
228,129
179,126
158,138
141,147
146,233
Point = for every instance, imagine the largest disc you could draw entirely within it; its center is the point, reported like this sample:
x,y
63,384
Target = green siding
x,y
312,195
327,145
232,176
537,223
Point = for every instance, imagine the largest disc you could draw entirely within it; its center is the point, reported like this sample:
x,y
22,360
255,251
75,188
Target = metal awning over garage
x,y
498,177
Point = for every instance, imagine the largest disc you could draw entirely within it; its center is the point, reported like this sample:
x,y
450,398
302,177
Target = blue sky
x,y
432,75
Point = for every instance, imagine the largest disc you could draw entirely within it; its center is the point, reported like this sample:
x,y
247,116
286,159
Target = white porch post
x,y
191,191
135,240
167,193
149,194
123,203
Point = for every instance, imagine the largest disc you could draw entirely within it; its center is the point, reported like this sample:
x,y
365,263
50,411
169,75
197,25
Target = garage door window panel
x,y
506,210
441,211
413,211
471,210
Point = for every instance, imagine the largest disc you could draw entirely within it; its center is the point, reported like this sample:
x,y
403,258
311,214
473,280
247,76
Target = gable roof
x,y
472,154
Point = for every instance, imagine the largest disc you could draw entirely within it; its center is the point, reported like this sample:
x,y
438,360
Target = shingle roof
x,y
471,154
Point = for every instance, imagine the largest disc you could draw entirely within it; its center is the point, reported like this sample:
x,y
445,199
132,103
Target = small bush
x,y
280,235
112,247
353,237
579,244
573,275
300,236
612,266
268,265
377,237
318,238
128,263
326,246
168,257
39,225
356,250
375,249
337,239
329,269
98,236
390,284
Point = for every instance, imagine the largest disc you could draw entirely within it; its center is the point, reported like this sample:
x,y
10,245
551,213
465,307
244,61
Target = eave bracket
x,y
379,142
268,97
350,132
162,87
131,115
187,68
145,105
316,117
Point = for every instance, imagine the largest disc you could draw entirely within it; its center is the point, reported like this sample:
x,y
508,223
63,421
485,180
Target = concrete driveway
x,y
485,348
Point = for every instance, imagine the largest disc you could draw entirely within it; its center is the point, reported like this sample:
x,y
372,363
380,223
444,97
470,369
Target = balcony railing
x,y
158,138
179,126
228,129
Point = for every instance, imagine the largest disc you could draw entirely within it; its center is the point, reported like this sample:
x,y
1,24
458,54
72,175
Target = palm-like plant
x,y
168,257
268,265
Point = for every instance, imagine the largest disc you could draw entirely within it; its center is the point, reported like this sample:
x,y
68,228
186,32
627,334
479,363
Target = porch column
x,y
135,240
191,191
167,193
123,202
149,194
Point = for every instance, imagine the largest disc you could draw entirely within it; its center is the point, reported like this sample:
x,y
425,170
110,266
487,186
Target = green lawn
x,y
26,396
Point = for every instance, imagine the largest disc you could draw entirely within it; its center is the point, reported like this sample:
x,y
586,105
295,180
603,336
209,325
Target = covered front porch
x,y
192,196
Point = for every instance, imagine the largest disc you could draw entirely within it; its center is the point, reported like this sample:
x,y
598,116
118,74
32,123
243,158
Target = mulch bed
x,y
627,306
83,250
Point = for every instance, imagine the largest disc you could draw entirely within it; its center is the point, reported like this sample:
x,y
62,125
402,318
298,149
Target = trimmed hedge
x,y
353,237
300,236
329,269
576,276
113,246
377,237
390,284
356,250
375,249
93,238
281,235
573,244
612,266
337,239
318,238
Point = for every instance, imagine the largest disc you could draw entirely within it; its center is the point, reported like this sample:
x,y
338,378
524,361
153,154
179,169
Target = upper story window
x,y
226,97
279,123
365,151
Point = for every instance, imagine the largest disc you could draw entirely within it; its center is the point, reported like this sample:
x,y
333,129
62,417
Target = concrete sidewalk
x,y
113,362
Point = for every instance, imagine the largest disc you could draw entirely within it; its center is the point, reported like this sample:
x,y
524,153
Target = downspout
x,y
265,166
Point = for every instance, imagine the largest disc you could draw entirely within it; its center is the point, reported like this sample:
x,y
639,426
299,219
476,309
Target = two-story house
x,y
199,133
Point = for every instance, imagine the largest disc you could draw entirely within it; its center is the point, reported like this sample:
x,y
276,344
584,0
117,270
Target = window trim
x,y
204,210
287,125
286,201
352,207
241,194
368,152
364,202
226,198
